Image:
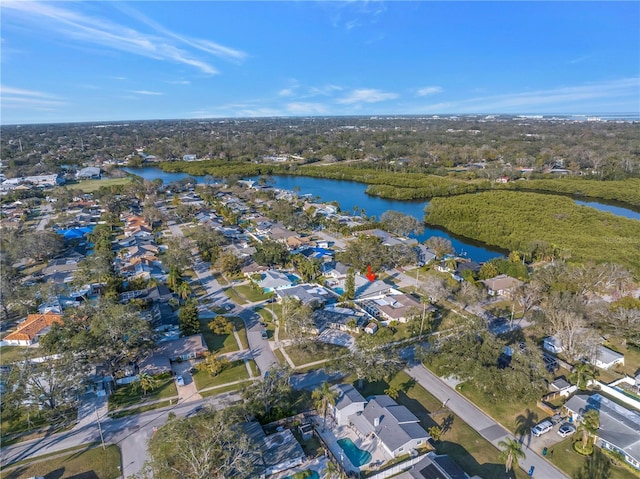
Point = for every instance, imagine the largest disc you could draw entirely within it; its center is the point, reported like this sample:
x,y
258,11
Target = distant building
x,y
89,173
189,157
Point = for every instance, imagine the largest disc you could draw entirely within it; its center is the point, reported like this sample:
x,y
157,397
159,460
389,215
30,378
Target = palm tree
x,y
583,373
511,453
173,279
323,397
146,382
588,425
331,471
184,290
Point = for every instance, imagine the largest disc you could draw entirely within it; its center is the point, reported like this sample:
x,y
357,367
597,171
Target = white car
x,y
542,428
566,430
180,380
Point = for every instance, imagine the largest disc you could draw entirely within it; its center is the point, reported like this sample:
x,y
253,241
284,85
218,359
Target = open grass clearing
x,y
314,351
250,294
88,462
26,424
225,389
254,368
471,451
504,413
89,186
235,372
280,357
238,323
233,295
219,343
11,354
128,395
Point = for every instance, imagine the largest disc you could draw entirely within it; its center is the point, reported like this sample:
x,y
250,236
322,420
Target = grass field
x,y
90,462
226,389
220,343
11,354
470,450
235,372
251,294
234,296
89,186
140,410
567,459
314,352
128,395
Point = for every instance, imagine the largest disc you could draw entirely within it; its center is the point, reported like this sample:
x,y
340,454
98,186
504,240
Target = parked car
x,y
264,334
542,428
180,380
566,430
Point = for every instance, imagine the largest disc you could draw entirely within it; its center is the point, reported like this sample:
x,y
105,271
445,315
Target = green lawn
x,y
219,343
251,294
90,462
234,296
225,389
140,410
470,450
568,460
235,372
254,368
11,354
241,330
33,421
265,314
279,356
89,186
128,396
301,355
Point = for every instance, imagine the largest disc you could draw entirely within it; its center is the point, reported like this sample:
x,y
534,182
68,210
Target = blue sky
x,y
93,61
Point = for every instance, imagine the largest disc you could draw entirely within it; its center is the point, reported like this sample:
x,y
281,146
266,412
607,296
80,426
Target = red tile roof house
x,y
32,328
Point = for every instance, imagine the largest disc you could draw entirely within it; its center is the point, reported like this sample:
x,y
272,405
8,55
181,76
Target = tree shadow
x,y
82,475
524,423
447,423
57,474
469,463
514,336
424,415
408,384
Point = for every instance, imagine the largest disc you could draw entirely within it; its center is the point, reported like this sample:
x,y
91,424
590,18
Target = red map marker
x,y
370,276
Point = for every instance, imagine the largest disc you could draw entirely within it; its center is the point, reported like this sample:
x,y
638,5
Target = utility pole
x,y
100,428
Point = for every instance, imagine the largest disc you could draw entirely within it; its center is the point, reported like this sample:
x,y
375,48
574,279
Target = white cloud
x,y
163,45
179,82
286,92
325,90
147,92
429,90
11,97
561,99
304,108
367,95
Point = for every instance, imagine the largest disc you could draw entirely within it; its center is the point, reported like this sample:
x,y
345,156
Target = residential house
x,y
349,401
619,428
399,307
396,428
502,285
343,319
183,349
433,466
371,328
274,453
605,358
32,328
89,173
309,294
273,280
335,270
388,239
365,289
425,255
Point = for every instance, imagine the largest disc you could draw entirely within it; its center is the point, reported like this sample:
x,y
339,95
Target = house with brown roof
x,y
32,328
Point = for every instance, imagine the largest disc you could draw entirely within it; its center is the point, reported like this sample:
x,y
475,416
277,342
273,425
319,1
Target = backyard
x,y
314,351
222,343
236,371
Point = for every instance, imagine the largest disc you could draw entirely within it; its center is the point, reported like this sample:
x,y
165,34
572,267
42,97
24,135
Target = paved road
x,y
478,420
260,348
131,433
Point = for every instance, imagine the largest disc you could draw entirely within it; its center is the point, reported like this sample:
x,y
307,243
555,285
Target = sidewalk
x,y
478,420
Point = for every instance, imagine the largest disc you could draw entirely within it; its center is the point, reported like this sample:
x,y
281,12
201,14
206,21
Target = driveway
x,y
260,348
478,420
188,392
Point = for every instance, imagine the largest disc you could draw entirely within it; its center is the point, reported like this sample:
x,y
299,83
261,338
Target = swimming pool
x,y
357,456
310,474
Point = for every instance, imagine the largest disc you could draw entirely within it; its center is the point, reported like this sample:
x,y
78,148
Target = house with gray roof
x,y
348,402
273,453
366,289
433,466
619,427
273,280
309,294
90,173
397,429
343,319
606,358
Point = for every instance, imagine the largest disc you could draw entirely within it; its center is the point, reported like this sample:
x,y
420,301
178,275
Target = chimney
x,y
376,421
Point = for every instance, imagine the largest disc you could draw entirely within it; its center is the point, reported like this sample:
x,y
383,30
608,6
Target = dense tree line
x,y
541,227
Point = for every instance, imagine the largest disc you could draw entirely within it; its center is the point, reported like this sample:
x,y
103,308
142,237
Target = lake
x,y
350,194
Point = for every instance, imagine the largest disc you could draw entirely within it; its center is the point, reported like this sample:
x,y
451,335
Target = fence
x,y
398,468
